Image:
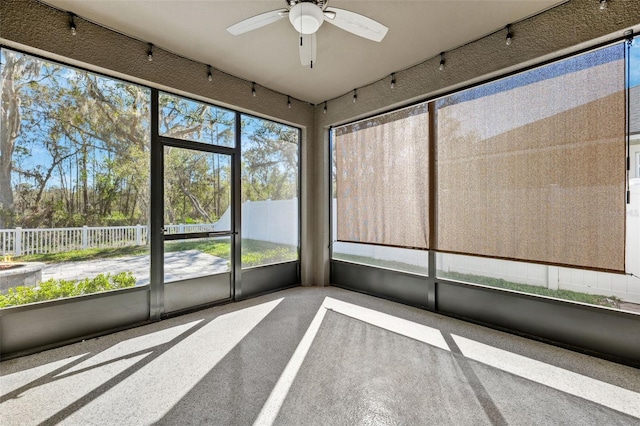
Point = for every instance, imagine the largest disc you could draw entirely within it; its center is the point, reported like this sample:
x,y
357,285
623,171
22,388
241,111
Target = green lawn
x,y
254,252
610,301
389,264
83,255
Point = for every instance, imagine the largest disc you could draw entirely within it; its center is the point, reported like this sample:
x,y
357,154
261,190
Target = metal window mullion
x,y
299,198
236,209
156,299
198,146
433,200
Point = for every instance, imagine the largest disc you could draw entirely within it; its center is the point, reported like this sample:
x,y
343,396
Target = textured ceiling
x,y
418,30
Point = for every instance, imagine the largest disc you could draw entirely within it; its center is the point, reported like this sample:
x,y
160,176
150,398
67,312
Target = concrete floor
x,y
315,356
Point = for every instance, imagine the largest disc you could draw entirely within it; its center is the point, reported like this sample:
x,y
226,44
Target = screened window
x,y
270,187
74,181
382,185
183,118
532,167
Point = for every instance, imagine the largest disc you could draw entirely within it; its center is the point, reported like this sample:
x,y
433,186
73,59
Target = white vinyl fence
x,y
271,220
19,241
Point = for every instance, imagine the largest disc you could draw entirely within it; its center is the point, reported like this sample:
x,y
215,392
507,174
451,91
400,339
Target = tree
x,y
88,133
197,184
16,70
269,161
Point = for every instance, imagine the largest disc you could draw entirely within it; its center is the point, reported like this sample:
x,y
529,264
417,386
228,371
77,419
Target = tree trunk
x,y
9,132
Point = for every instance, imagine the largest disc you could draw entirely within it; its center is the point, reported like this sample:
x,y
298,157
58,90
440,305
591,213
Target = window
x,y
183,118
531,167
529,190
74,181
381,187
270,188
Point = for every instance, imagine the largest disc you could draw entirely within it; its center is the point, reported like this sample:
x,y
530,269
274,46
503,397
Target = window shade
x,y
532,167
382,179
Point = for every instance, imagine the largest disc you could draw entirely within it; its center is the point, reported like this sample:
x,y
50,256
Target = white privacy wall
x,y
271,220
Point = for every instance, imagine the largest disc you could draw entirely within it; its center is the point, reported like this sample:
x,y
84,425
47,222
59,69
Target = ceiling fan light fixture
x,y
306,17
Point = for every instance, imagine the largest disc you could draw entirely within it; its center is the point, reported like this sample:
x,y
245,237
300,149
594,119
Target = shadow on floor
x,y
315,356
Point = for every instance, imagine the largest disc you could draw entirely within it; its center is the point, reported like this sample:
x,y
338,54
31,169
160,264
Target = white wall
x,y
634,152
271,220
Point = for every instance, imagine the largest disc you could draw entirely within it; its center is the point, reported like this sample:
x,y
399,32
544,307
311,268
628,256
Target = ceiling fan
x,y
307,16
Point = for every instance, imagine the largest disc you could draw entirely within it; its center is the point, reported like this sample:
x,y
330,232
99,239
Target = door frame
x,y
157,237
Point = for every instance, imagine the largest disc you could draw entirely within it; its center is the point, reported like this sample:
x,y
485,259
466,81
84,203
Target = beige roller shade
x,y
536,172
382,180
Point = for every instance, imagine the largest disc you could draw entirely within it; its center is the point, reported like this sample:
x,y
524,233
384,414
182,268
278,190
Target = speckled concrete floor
x,y
315,356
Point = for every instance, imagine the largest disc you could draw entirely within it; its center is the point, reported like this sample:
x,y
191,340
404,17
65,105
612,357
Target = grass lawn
x,y
389,264
254,252
593,299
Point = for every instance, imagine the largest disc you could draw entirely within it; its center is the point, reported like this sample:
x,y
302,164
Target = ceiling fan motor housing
x,y
306,17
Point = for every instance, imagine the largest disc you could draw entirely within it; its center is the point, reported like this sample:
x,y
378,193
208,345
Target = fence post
x,y
553,277
17,242
138,235
85,237
181,228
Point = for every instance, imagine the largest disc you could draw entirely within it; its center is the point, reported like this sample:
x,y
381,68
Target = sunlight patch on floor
x,y
602,393
406,328
131,346
143,399
36,404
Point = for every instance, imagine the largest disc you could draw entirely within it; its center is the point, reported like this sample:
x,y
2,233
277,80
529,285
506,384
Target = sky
x,y
634,66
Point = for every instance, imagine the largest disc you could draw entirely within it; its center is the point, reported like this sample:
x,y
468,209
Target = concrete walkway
x,y
177,266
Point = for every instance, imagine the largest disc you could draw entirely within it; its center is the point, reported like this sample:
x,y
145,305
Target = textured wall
x,y
564,29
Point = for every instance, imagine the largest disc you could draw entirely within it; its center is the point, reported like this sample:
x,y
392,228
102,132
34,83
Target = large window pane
x,y
182,118
380,191
197,257
74,181
197,191
532,167
382,185
270,156
576,285
592,287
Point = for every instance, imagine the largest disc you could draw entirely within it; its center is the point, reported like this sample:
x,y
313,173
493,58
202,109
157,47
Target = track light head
x,y
150,52
441,66
72,24
393,81
603,4
509,36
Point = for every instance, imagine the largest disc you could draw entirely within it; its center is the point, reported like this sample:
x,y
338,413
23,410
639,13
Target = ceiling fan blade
x,y
356,24
308,49
257,21
329,14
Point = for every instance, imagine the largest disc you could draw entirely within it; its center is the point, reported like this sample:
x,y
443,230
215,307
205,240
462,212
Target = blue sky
x,y
634,65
